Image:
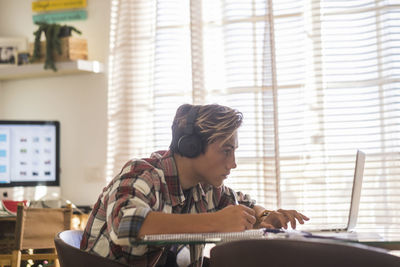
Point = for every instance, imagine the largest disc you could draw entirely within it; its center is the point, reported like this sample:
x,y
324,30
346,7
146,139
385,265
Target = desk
x,y
392,243
389,245
385,241
299,252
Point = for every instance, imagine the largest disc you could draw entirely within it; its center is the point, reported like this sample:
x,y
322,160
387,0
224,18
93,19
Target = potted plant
x,y
53,32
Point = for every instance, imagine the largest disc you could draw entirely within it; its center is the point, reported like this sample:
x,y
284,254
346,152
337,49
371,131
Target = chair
x,y
299,253
35,229
69,253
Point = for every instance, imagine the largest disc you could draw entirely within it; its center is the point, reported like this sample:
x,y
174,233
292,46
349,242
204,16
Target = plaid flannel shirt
x,y
142,186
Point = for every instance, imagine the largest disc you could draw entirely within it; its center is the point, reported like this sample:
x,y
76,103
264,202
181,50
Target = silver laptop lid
x,y
356,192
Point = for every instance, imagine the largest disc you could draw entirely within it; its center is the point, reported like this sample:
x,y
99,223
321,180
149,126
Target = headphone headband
x,y
190,121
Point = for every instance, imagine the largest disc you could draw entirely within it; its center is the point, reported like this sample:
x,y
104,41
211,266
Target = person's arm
x,y
230,219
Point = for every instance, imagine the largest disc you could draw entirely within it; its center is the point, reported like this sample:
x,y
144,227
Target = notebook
x,y
354,204
202,238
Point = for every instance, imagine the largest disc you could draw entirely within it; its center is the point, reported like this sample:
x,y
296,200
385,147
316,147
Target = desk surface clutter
x,y
370,239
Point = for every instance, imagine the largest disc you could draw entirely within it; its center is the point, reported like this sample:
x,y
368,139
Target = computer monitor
x,y
29,153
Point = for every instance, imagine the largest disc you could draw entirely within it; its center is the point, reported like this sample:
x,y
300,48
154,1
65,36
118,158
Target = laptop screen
x,y
356,192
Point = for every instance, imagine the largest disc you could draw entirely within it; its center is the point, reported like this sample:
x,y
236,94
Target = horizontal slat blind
x,y
194,52
130,82
337,78
238,73
337,69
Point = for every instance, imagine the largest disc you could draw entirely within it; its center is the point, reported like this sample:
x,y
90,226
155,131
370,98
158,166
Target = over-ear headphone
x,y
189,144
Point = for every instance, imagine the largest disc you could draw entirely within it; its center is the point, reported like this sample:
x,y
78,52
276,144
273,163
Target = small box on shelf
x,y
72,48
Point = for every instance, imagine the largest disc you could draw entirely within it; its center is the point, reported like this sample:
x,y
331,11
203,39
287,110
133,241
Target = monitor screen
x,y
29,153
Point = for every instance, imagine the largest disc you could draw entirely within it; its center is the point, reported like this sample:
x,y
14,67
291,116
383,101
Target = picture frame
x,y
9,49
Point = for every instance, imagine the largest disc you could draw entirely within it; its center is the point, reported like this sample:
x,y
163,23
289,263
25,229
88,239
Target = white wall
x,y
79,102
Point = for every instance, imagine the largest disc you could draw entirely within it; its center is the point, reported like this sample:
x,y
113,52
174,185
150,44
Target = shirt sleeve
x,y
134,198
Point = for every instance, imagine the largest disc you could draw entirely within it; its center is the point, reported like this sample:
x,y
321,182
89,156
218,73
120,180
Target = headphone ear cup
x,y
189,146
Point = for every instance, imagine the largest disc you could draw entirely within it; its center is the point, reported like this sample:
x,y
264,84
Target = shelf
x,y
37,69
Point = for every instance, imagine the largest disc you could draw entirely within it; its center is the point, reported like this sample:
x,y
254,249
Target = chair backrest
x,y
36,227
299,253
70,255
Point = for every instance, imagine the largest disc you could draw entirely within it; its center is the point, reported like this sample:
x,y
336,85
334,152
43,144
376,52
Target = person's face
x,y
214,166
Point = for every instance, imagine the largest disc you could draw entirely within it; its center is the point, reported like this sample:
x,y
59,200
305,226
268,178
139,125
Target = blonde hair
x,y
212,122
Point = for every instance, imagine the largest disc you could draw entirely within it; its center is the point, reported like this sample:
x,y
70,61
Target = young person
x,y
178,191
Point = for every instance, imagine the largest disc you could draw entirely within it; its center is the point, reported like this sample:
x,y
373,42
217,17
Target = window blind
x,y
166,53
337,73
315,80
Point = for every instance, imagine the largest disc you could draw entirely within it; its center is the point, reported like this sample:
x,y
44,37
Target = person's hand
x,y
235,218
280,218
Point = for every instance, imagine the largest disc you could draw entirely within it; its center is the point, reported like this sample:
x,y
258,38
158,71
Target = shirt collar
x,y
167,164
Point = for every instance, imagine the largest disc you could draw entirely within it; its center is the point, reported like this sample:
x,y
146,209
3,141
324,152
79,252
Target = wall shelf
x,y
37,70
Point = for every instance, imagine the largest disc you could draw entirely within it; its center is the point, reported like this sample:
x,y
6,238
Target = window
x,y
315,80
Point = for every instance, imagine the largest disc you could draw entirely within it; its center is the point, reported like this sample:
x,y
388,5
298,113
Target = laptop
x,y
354,204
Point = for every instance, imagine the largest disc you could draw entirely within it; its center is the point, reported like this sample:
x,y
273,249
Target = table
x,y
374,240
385,244
371,238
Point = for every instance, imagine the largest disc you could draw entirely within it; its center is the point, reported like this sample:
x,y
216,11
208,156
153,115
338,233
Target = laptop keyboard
x,y
325,228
